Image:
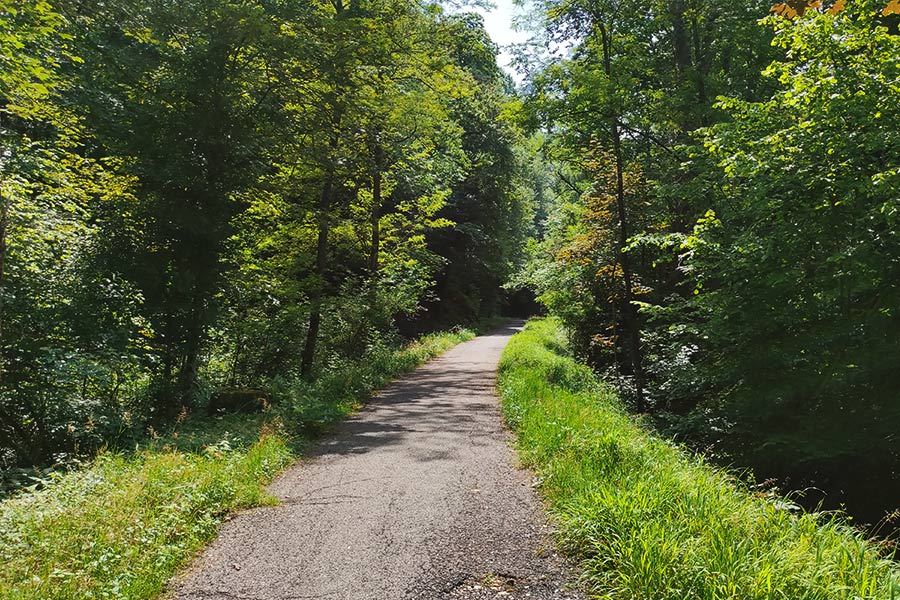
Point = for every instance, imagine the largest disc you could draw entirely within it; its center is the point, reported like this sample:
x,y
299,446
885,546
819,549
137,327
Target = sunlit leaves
x,y
803,256
791,9
797,8
837,7
239,131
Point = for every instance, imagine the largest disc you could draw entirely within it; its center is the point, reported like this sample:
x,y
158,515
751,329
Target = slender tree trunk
x,y
315,314
168,390
190,368
631,322
238,352
375,217
680,40
4,226
323,223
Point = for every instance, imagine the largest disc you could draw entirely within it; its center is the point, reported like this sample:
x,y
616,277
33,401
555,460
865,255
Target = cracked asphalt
x,y
417,496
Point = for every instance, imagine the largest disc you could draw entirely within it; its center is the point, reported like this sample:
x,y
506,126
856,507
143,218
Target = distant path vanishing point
x,y
417,496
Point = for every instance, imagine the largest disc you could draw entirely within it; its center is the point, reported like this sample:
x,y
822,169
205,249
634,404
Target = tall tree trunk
x,y
375,246
192,345
680,41
4,226
323,223
631,322
189,371
315,314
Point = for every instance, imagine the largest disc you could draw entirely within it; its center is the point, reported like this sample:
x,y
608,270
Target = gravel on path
x,y
417,496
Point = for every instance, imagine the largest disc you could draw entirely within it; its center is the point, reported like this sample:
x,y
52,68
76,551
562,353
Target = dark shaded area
x,y
522,304
826,462
237,400
866,489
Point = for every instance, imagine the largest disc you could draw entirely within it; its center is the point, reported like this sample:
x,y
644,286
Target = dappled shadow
x,y
406,495
433,413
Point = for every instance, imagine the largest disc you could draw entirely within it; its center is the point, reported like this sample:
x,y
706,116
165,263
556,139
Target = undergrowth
x,y
648,520
120,527
309,407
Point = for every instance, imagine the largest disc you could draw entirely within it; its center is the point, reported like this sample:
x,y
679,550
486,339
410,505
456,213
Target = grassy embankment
x,y
649,521
124,524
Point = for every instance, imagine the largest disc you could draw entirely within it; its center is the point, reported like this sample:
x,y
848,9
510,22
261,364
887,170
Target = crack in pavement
x,y
428,505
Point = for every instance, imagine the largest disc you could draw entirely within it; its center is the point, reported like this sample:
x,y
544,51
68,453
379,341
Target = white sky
x,y
498,23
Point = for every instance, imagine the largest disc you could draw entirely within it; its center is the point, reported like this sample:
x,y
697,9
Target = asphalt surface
x,y
417,496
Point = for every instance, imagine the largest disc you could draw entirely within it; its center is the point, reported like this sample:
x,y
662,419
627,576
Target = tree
x,y
50,370
490,211
641,79
204,194
799,266
187,94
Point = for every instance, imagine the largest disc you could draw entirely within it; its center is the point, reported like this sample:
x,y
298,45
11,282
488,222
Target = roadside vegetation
x,y
122,525
722,231
647,519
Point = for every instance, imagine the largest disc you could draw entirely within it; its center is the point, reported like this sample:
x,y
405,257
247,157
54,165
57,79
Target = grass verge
x,y
648,520
123,525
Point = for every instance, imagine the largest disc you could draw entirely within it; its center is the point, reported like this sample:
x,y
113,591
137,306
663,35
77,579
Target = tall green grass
x,y
123,525
648,520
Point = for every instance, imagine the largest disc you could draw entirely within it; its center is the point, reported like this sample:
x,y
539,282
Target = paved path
x,y
415,497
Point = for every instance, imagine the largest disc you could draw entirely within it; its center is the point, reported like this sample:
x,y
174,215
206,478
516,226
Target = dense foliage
x,y
725,241
210,196
206,201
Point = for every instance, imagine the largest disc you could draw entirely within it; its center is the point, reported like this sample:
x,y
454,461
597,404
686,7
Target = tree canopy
x,y
216,194
723,243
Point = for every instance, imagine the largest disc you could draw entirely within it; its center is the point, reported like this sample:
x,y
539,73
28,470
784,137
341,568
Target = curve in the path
x,y
414,497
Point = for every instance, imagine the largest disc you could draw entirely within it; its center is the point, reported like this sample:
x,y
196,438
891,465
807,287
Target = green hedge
x,y
648,520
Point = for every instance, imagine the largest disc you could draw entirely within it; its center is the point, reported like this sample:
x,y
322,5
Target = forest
x,y
205,197
723,239
206,204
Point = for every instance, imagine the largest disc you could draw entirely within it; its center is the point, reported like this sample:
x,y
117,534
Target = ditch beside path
x,y
417,496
